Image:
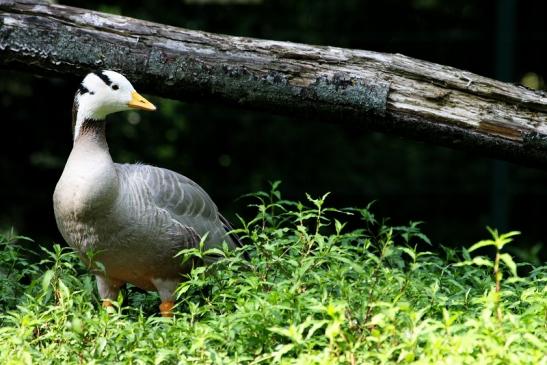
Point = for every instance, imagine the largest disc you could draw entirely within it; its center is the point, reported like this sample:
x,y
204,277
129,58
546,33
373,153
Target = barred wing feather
x,y
185,201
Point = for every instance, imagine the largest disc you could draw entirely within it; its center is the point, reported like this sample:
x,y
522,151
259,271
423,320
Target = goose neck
x,y
90,131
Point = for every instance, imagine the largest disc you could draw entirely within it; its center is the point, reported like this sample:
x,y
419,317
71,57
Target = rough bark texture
x,y
388,92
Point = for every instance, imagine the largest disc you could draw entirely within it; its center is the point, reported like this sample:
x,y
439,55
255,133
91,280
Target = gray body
x,y
132,219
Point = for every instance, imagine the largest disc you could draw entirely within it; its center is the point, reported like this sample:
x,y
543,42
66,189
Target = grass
x,y
322,286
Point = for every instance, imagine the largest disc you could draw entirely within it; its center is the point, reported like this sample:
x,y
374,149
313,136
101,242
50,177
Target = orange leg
x,y
166,308
166,288
107,303
108,290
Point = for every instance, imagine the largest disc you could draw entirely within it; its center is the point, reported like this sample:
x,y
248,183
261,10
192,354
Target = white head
x,y
102,93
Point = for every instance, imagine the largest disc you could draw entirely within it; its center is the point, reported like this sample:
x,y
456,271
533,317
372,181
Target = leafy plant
x,y
15,268
498,242
320,286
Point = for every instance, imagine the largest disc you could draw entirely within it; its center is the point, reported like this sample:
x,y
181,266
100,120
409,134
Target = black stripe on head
x,y
103,77
82,89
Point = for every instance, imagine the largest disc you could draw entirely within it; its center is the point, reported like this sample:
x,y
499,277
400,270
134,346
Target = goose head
x,y
102,93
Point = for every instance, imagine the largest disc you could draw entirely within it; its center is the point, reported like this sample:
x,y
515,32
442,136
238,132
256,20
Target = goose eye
x,y
115,87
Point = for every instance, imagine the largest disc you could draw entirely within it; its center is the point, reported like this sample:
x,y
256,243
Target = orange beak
x,y
138,102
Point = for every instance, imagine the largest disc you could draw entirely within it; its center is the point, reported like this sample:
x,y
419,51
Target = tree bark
x,y
387,92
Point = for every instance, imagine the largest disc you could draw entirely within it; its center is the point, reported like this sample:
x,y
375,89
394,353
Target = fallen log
x,y
386,92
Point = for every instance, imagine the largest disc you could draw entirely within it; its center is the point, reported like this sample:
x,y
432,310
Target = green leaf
x,y
282,350
508,260
480,244
46,279
338,226
481,261
64,291
505,239
214,252
533,339
410,252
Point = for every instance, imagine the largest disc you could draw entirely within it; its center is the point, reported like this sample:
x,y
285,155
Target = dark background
x,y
231,152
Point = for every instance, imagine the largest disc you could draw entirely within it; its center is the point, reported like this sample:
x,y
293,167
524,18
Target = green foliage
x,y
15,269
321,286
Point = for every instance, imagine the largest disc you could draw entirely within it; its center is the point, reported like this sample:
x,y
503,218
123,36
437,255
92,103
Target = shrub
x,y
320,286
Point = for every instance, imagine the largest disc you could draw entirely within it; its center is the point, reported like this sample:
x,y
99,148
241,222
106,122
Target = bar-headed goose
x,y
131,218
